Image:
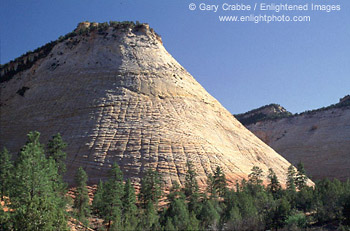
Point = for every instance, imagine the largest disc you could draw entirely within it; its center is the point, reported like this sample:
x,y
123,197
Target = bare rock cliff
x,y
319,138
116,95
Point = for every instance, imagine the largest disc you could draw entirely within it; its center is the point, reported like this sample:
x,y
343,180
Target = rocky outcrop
x,y
319,138
268,112
116,95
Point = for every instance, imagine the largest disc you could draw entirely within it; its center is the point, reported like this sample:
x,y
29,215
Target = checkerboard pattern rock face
x,y
119,96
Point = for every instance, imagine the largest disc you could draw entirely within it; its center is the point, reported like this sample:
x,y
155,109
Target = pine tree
x,y
300,179
305,199
5,223
245,203
220,184
216,184
234,219
169,225
279,214
55,149
81,199
291,178
208,215
291,189
255,177
329,205
129,207
274,185
255,181
150,190
177,211
231,214
6,168
112,199
149,217
211,189
191,189
194,223
191,184
97,203
175,192
35,201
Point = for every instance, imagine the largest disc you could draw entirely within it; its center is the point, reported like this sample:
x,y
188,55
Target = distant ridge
x,y
267,112
276,111
319,138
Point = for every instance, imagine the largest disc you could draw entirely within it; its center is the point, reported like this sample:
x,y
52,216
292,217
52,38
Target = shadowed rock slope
x,y
116,95
319,138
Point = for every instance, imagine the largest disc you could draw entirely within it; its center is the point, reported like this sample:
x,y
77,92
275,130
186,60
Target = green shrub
x,y
103,26
296,221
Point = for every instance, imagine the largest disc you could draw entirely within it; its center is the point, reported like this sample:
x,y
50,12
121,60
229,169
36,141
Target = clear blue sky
x,y
244,65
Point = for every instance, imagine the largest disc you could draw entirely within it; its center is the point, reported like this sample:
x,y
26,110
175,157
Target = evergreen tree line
x,y
34,198
32,189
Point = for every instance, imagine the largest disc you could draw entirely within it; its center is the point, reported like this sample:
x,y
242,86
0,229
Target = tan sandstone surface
x,y
320,139
119,96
